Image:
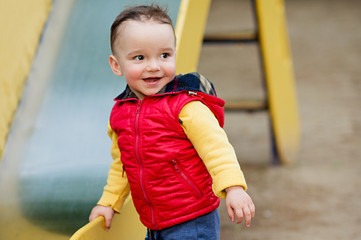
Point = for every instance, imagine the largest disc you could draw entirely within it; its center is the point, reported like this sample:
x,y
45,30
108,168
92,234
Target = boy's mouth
x,y
152,79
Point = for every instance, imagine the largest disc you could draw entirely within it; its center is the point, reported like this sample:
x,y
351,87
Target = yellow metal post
x,y
279,77
191,22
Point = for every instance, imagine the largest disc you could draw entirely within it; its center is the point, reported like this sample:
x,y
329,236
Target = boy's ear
x,y
115,66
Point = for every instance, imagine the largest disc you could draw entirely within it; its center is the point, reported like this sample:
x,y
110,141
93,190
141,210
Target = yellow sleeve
x,y
212,145
117,188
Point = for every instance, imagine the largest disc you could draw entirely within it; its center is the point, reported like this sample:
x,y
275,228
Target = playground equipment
x,y
272,38
26,36
278,71
50,175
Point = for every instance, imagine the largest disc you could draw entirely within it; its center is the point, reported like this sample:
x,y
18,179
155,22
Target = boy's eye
x,y
164,55
139,57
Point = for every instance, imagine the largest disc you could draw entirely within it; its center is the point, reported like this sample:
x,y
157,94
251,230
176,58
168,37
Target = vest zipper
x,y
180,172
140,162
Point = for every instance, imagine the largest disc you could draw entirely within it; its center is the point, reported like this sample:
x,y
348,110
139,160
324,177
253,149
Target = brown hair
x,y
139,13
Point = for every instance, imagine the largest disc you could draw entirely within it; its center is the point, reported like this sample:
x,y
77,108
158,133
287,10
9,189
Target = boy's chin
x,y
150,93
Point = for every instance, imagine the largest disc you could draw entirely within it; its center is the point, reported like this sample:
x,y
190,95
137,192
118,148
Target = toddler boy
x,y
169,149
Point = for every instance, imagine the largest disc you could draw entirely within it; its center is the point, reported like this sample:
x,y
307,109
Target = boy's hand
x,y
106,212
239,205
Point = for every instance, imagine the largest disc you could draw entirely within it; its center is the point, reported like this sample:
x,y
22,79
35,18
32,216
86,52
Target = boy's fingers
x,y
248,216
108,221
239,214
230,213
252,207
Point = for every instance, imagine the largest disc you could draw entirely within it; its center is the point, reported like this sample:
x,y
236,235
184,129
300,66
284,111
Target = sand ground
x,y
319,197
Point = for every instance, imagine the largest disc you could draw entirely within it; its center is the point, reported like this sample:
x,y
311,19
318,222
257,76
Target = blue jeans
x,y
205,227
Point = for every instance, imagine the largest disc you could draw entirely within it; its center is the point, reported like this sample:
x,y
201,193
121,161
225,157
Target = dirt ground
x,y
319,197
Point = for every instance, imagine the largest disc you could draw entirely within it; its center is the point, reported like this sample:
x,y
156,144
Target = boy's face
x,y
144,52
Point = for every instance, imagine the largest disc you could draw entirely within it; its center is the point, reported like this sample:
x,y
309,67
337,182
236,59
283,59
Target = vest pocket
x,y
185,178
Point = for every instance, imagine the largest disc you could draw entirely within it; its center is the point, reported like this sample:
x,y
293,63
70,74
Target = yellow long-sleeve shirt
x,y
210,142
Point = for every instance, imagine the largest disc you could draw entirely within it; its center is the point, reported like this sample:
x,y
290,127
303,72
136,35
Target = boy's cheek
x,y
171,69
133,71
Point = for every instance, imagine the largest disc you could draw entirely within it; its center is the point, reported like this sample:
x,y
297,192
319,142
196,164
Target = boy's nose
x,y
152,66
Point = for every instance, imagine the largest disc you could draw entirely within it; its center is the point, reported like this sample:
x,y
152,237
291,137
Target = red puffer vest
x,y
169,182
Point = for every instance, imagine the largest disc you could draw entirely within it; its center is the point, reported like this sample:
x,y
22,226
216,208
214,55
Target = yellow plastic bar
x,y
22,23
279,77
124,226
190,27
